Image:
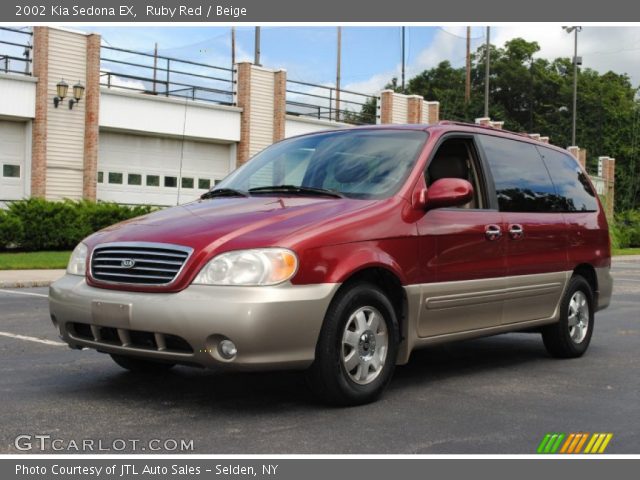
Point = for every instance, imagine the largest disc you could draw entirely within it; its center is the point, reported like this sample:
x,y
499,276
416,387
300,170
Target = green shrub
x,y
625,229
39,224
10,230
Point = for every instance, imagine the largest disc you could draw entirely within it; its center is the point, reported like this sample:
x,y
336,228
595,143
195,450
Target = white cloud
x,y
447,44
601,48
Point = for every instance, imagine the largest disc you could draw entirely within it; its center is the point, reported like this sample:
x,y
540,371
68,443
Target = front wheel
x,y
570,337
357,348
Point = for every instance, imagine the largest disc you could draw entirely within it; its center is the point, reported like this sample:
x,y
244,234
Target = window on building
x,y
134,179
187,182
171,182
571,183
153,180
216,181
521,179
11,171
116,178
204,183
100,177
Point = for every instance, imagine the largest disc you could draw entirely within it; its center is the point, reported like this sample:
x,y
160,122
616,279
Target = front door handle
x,y
516,232
492,232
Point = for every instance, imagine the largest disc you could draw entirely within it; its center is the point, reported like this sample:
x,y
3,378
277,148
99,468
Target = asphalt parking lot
x,y
493,395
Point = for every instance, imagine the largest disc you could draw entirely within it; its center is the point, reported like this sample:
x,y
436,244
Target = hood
x,y
231,223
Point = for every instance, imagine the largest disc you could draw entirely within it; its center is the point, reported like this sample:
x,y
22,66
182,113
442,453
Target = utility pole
x,y
233,47
467,85
256,59
576,62
233,56
402,59
155,66
338,62
486,73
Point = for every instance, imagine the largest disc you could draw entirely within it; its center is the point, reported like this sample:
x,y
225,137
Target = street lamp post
x,y
576,62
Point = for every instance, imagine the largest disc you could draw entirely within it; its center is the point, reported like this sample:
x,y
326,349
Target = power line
x,y
460,36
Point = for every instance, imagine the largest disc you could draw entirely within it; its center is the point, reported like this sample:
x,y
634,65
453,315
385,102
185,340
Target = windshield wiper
x,y
224,192
299,189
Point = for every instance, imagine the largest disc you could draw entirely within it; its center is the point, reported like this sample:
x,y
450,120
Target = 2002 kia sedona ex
x,y
341,252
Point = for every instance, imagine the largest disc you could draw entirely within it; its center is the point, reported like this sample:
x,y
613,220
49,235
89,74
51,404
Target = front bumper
x,y
272,327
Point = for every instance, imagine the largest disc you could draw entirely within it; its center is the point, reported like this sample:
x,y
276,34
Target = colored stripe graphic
x,y
550,443
598,443
581,443
573,443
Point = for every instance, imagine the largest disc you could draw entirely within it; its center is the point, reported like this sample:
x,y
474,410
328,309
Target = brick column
x,y
482,121
544,139
39,128
386,106
414,109
433,108
575,151
91,115
535,136
279,104
582,157
243,100
496,125
609,177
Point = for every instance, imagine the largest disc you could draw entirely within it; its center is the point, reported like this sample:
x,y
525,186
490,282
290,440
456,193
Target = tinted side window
x,y
570,181
521,179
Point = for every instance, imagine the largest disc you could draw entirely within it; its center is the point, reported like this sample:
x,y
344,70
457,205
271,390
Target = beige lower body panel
x,y
273,327
448,311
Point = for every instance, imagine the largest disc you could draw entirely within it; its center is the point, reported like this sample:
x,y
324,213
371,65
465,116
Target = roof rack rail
x,y
477,125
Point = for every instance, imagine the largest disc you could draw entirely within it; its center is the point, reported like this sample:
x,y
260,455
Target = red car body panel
x,y
335,238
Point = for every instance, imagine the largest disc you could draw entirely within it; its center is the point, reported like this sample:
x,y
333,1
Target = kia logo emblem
x,y
128,263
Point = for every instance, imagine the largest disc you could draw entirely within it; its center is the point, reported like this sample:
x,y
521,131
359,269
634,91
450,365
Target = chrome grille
x,y
138,263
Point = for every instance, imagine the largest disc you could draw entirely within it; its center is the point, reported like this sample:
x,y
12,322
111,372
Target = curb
x,y
26,284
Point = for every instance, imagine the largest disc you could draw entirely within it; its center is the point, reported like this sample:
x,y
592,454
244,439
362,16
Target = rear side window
x,y
572,184
521,179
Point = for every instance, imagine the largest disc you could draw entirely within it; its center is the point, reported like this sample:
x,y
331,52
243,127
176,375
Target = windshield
x,y
364,164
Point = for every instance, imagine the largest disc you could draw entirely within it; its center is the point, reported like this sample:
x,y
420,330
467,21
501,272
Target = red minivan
x,y
341,252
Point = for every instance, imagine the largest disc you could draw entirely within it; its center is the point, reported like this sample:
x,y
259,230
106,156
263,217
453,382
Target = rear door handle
x,y
492,232
516,232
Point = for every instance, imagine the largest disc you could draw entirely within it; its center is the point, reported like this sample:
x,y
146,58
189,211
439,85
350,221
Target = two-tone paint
x,y
463,272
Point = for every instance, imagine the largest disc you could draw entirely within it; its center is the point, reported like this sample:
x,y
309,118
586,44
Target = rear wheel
x,y
356,351
139,365
570,337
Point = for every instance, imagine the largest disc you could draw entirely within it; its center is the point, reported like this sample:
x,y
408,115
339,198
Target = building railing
x,y
328,103
165,76
15,51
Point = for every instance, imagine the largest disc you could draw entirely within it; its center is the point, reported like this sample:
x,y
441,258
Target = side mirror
x,y
448,192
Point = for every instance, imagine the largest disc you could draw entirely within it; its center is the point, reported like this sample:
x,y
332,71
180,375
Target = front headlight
x,y
78,261
260,266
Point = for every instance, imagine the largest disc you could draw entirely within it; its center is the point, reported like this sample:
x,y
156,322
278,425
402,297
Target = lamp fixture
x,y
62,88
78,93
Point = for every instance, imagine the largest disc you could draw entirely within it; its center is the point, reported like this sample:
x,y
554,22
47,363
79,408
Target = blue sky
x,y
371,55
307,53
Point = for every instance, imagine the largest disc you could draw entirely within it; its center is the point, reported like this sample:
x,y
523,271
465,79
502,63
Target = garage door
x,y
13,175
139,170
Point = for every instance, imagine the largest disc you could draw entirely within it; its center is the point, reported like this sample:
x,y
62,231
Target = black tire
x,y
328,376
558,338
140,365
